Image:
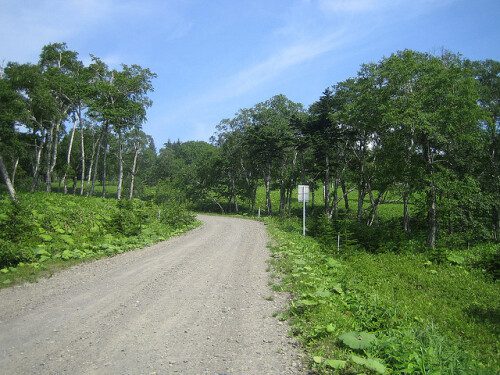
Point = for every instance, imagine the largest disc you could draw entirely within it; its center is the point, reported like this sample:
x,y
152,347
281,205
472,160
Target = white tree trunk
x,y
95,146
82,147
5,176
134,169
54,148
38,158
48,175
68,157
120,167
14,170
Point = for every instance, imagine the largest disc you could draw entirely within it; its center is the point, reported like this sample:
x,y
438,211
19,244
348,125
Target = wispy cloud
x,y
275,65
27,25
310,30
250,78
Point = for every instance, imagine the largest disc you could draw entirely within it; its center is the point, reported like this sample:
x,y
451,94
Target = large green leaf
x,y
455,259
357,340
323,293
370,363
336,364
317,359
46,237
66,254
68,239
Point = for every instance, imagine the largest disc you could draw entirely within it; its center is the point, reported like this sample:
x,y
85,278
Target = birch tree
x,y
11,110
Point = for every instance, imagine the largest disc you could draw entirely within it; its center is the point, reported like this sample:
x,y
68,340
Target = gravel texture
x,y
196,304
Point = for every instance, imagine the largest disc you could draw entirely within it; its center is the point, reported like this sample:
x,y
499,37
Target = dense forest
x,y
403,164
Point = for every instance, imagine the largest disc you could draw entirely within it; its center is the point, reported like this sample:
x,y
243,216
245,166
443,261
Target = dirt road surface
x,y
196,304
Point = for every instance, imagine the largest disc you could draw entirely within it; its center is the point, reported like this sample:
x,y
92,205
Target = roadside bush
x,y
175,215
16,227
489,261
16,222
127,218
11,255
48,229
321,227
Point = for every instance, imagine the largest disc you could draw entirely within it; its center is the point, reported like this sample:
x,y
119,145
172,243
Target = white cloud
x,y
274,65
27,25
247,80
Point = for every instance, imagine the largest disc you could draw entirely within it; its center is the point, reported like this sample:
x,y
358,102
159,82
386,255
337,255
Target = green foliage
x,y
321,227
127,219
369,363
16,229
486,258
427,317
357,340
175,215
49,229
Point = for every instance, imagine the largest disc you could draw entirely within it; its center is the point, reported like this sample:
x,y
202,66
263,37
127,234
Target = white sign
x,y
303,193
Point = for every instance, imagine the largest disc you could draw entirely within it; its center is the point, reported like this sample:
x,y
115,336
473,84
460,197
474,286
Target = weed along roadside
x,y
46,232
357,312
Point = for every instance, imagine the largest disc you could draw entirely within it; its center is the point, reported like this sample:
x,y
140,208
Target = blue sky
x,y
214,57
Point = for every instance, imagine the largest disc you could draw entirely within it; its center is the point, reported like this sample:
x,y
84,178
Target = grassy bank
x,y
46,232
386,313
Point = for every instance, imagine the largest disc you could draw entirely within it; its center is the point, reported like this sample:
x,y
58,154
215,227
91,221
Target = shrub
x,y
16,223
490,262
322,229
126,220
16,227
175,215
10,254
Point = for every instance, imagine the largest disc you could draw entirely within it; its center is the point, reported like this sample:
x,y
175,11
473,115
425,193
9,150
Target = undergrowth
x,y
360,312
44,232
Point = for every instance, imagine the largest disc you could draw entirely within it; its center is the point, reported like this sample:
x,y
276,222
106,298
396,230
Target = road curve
x,y
196,304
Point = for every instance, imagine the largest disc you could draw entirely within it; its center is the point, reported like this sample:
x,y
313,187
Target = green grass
x,y
427,318
111,189
49,231
385,211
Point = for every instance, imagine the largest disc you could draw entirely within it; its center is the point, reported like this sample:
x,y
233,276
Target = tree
x,y
12,109
487,73
58,66
433,100
137,143
120,101
28,81
271,141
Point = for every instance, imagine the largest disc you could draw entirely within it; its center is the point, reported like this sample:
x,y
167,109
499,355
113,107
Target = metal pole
x,y
303,211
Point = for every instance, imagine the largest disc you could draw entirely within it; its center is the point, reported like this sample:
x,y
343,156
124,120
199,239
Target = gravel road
x,y
196,304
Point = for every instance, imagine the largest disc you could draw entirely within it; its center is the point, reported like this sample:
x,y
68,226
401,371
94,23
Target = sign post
x,y
304,198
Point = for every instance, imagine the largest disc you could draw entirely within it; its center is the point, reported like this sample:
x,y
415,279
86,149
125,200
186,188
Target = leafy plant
x,y
370,363
357,340
126,220
424,322
45,230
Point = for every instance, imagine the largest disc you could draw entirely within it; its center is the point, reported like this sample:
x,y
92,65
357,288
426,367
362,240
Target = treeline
x,y
63,120
415,129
